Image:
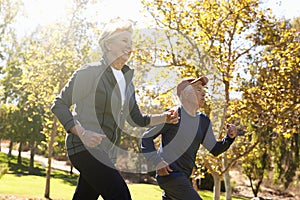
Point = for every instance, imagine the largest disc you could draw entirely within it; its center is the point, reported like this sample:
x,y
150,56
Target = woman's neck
x,y
117,66
115,63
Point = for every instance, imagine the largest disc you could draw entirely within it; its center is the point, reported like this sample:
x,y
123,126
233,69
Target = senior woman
x,y
103,97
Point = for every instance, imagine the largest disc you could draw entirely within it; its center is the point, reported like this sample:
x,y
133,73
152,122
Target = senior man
x,y
180,142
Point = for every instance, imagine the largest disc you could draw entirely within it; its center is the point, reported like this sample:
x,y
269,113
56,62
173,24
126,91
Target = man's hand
x,y
231,130
163,168
89,138
172,116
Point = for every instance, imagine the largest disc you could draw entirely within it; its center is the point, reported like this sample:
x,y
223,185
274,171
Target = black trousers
x,y
97,178
177,186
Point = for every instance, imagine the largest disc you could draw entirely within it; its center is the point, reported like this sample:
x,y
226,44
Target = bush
x,y
3,169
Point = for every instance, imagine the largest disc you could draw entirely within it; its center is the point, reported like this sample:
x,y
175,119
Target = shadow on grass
x,y
23,169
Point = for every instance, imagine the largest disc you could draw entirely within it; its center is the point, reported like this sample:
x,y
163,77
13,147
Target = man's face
x,y
196,95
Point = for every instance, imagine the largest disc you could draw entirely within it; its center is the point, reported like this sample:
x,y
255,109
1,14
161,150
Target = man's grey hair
x,y
111,28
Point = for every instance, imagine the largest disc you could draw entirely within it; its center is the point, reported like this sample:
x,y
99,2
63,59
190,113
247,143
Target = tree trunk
x,y
217,186
10,148
194,179
32,153
228,188
50,151
194,182
20,154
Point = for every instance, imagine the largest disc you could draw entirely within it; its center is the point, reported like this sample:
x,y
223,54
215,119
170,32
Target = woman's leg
x,y
84,190
97,178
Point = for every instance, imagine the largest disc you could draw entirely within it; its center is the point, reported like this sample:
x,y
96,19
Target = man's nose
x,y
129,45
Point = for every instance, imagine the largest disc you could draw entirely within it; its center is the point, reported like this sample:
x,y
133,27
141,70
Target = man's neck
x,y
190,109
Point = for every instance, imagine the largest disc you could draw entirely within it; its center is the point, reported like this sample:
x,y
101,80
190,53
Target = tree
x,y
271,104
59,57
205,38
9,70
8,11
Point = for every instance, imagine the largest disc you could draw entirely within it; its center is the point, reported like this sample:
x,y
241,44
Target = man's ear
x,y
183,93
107,45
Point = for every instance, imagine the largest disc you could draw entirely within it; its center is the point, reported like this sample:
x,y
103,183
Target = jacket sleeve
x,y
148,147
216,147
62,103
136,118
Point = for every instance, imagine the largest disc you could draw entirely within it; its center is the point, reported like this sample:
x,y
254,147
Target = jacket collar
x,y
127,71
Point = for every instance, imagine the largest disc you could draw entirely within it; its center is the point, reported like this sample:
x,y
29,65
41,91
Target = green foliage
x,y
238,39
35,73
271,99
3,169
255,165
8,12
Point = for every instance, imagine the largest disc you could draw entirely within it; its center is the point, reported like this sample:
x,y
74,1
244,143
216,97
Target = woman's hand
x,y
172,116
89,138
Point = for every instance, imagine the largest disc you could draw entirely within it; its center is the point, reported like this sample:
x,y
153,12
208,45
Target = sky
x,y
41,12
49,11
45,11
284,8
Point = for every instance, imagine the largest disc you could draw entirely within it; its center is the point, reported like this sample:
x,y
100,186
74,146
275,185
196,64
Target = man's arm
x,y
148,147
150,152
217,147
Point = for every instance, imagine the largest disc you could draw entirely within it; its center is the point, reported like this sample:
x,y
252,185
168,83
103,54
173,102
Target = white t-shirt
x,y
121,82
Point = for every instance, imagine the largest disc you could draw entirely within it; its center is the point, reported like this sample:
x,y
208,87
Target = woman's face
x,y
120,46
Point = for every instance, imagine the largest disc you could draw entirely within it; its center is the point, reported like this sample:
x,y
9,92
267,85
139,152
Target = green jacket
x,y
95,94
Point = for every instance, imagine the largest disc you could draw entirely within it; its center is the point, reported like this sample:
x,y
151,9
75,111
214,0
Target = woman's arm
x,y
170,117
62,103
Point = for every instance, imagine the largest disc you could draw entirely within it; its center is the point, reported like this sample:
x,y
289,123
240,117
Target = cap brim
x,y
202,79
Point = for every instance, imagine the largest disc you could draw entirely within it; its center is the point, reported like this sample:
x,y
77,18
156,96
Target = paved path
x,y
55,164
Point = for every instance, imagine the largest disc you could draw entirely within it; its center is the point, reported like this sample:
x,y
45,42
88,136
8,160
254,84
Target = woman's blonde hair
x,y
114,26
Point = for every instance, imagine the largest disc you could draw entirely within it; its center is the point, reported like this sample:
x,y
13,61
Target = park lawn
x,y
31,186
34,187
18,182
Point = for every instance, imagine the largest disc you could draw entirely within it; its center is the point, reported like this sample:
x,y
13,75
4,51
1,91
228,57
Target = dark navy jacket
x,y
180,142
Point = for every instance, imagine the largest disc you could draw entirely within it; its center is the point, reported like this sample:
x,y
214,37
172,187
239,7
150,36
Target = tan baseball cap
x,y
191,81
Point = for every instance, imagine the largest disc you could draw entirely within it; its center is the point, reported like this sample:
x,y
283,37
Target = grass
x,y
18,182
34,186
